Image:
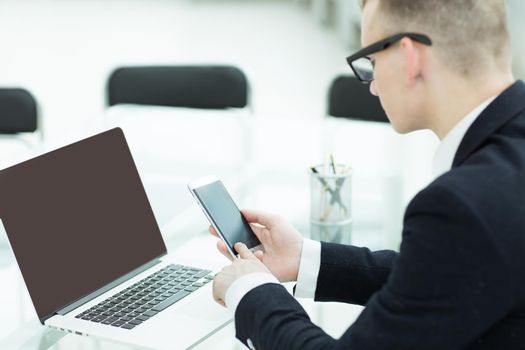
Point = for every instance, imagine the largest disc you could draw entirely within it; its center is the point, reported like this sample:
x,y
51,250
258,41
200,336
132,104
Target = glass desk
x,y
271,176
186,234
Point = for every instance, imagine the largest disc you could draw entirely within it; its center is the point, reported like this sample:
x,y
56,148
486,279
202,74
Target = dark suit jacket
x,y
458,281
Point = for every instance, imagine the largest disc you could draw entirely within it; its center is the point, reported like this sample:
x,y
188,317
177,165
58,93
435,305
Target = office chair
x,y
20,130
206,87
351,106
357,132
351,99
18,111
187,104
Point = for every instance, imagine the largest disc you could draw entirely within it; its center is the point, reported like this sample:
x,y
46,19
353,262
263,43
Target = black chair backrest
x,y
18,111
210,87
349,98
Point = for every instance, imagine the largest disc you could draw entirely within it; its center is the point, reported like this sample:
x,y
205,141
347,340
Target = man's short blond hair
x,y
469,35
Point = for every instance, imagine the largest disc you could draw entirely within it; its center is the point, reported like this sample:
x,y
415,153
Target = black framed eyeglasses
x,y
363,66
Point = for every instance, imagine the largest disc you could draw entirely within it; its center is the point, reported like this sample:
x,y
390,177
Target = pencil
x,y
333,164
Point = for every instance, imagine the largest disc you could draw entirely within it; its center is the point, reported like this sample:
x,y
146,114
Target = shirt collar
x,y
449,145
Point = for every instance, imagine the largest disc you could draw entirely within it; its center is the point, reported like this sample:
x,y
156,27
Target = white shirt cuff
x,y
243,285
309,267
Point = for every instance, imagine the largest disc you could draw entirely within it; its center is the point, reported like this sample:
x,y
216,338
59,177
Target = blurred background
x,y
63,50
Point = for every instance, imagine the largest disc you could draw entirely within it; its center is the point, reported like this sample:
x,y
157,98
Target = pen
x,y
323,182
333,163
326,206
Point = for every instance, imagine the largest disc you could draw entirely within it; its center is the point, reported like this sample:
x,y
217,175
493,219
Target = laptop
x,y
91,253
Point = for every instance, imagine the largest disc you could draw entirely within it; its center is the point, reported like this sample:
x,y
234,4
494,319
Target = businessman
x,y
458,281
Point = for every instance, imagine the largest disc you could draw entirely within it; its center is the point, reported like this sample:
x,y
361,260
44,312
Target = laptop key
x,y
171,300
151,313
128,326
142,318
118,323
99,319
135,322
109,320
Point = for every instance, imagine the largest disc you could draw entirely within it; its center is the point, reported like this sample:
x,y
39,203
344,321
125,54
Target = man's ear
x,y
413,59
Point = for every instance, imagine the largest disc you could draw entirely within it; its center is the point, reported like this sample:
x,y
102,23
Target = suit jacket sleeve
x,y
448,285
351,274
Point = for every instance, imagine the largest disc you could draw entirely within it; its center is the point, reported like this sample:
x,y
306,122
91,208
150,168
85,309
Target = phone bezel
x,y
201,182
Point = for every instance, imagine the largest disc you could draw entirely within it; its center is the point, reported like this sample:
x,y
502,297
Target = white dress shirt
x,y
449,145
310,262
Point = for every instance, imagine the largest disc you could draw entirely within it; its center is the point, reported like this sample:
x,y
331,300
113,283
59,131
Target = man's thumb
x,y
244,252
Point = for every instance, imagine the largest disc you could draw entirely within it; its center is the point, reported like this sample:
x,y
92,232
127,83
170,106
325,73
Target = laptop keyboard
x,y
146,298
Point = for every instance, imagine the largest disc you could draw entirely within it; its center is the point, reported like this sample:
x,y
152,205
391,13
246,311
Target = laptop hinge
x,y
79,302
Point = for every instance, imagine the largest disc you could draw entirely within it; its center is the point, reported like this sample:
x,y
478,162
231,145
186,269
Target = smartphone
x,y
222,213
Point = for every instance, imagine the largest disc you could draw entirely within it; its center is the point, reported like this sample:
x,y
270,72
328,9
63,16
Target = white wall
x,y
64,50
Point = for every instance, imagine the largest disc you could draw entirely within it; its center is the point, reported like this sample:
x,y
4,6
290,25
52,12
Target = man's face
x,y
397,97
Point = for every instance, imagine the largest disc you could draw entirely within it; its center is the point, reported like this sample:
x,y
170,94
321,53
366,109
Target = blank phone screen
x,y
225,215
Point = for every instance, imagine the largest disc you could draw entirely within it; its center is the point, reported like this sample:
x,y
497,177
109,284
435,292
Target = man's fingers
x,y
244,252
213,231
224,251
259,254
255,216
260,232
215,292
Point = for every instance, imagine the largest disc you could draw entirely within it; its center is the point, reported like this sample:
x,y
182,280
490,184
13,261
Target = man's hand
x,y
246,263
282,244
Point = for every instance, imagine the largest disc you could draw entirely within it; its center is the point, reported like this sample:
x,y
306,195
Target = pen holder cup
x,y
330,203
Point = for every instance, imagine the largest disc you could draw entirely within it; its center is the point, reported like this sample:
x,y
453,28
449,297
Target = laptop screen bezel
x,y
69,305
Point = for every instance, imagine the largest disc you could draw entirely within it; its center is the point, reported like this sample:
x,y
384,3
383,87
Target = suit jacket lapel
x,y
505,107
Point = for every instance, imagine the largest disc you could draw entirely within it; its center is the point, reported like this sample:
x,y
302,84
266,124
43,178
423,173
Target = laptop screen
x,y
77,218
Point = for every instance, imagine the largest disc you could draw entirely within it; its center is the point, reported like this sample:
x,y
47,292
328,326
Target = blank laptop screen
x,y
77,218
